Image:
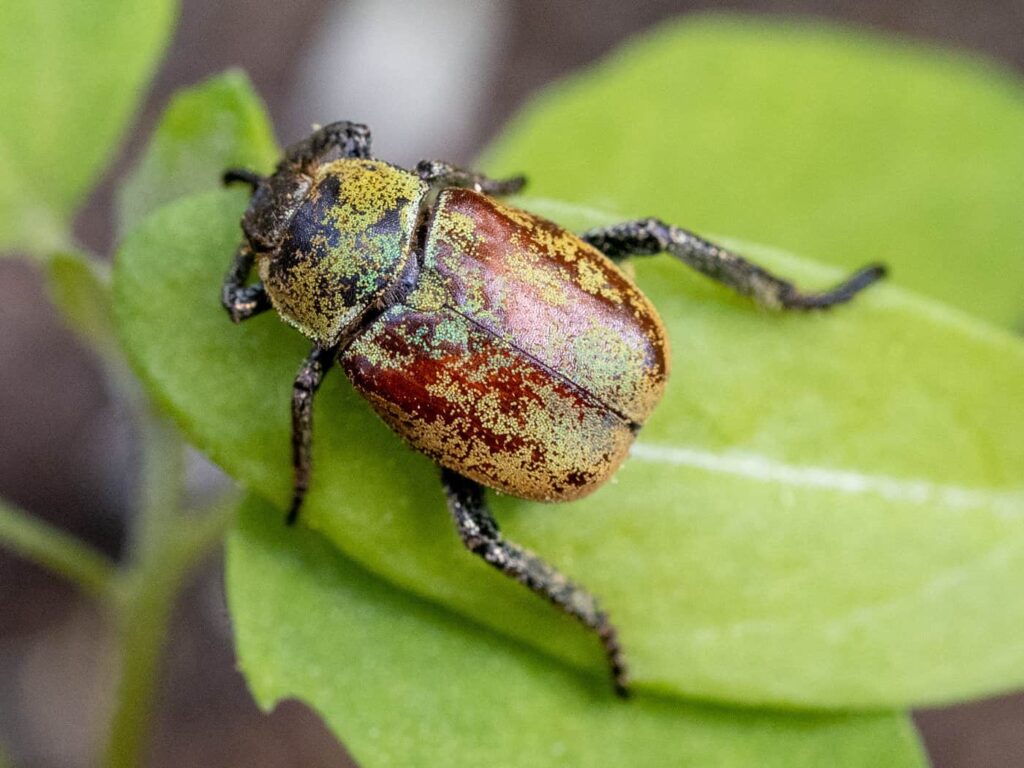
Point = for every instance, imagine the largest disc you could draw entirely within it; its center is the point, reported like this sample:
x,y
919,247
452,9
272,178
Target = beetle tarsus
x,y
481,535
445,174
241,176
842,293
648,237
610,641
293,511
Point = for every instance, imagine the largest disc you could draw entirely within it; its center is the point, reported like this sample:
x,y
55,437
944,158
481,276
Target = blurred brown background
x,y
67,455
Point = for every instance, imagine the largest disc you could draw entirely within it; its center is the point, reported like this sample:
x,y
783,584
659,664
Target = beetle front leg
x,y
307,382
647,237
435,171
240,300
481,536
241,176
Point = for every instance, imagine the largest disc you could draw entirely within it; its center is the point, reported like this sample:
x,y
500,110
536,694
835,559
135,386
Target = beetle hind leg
x,y
647,237
481,536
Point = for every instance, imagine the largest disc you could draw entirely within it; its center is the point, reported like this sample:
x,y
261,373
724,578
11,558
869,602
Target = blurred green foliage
x,y
205,129
71,77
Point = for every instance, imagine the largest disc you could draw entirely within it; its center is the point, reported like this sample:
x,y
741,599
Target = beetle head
x,y
273,204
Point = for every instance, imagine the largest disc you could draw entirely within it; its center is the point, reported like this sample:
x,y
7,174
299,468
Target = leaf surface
x,y
409,684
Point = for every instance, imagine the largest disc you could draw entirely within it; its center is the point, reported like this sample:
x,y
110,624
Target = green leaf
x,y
215,125
80,286
71,76
826,510
404,683
842,146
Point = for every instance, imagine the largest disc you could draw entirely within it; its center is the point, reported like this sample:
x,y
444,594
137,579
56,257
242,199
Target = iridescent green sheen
x,y
346,246
554,298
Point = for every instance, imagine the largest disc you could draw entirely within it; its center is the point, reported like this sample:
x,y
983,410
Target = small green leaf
x,y
842,146
71,75
215,125
826,510
407,684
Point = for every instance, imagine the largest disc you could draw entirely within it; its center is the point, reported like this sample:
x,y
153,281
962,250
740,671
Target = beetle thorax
x,y
345,248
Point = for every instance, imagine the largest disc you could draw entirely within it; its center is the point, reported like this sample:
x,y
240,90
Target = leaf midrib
x,y
1008,503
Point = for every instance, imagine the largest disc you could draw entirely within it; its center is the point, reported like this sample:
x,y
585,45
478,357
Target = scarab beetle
x,y
514,353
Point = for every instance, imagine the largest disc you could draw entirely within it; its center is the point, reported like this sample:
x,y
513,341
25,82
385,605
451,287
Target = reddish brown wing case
x,y
524,359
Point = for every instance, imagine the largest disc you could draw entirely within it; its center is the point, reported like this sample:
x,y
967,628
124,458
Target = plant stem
x,y
165,547
151,590
161,487
50,547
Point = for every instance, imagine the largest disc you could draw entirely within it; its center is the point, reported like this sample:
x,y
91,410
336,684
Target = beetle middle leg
x,y
481,536
444,174
647,237
307,382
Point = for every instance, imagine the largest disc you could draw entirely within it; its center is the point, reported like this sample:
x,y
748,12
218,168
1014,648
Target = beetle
x,y
515,354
